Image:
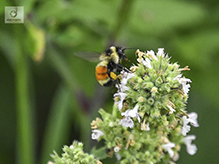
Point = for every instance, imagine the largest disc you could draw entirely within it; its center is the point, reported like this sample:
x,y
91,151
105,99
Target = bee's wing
x,y
90,56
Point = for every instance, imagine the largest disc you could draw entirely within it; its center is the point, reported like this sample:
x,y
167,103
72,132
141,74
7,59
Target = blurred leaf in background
x,y
49,96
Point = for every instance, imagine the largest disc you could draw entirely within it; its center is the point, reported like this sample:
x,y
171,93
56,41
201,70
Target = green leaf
x,y
58,123
99,153
159,17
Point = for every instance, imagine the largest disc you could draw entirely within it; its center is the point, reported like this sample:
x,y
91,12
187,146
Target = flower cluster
x,y
149,121
74,154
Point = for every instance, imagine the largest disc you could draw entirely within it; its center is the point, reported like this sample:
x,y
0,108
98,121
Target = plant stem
x,y
25,147
122,18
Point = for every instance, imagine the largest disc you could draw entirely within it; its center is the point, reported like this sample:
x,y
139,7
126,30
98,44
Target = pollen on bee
x,y
113,75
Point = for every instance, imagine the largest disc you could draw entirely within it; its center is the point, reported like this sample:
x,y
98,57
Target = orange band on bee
x,y
101,73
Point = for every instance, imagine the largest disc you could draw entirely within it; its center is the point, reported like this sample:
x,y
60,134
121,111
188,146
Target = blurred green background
x,y
48,96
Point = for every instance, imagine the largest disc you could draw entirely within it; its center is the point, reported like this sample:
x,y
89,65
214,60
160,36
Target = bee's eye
x,y
108,52
120,51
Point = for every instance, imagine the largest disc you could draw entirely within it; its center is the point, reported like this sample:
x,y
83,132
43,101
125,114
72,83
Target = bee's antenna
x,y
129,48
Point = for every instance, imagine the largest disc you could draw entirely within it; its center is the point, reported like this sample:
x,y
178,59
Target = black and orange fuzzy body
x,y
109,64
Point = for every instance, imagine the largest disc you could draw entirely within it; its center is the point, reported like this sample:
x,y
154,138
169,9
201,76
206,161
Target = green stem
x,y
115,110
122,18
25,147
62,68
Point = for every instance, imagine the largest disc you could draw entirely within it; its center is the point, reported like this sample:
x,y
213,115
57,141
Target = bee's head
x,y
121,52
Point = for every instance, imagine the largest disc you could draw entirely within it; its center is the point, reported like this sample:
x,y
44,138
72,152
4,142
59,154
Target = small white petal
x,y
177,77
191,148
144,126
151,54
175,157
126,76
132,113
140,60
147,63
117,156
127,122
96,134
168,147
193,119
171,109
116,149
148,127
185,129
160,52
184,82
122,98
71,147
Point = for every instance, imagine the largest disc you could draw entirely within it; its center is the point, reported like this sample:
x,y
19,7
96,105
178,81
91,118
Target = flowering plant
x,y
149,121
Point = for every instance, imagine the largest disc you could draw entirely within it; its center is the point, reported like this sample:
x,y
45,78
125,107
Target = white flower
x,y
186,128
171,109
148,127
168,147
147,63
127,122
144,126
96,134
132,113
185,86
140,59
184,82
175,157
191,148
121,99
117,156
116,149
126,76
192,119
160,52
151,54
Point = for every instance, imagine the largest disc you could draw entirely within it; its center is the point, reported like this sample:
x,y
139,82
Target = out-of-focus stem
x,y
25,147
122,18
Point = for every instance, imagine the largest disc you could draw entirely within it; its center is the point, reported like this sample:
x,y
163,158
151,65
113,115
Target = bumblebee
x,y
109,64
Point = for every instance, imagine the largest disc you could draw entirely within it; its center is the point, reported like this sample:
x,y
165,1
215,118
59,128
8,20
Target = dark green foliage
x,y
49,96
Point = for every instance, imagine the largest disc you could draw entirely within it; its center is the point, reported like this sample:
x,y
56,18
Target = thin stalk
x,y
25,146
115,110
122,18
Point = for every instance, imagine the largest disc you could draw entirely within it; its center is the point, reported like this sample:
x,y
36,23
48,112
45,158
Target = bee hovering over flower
x,y
109,64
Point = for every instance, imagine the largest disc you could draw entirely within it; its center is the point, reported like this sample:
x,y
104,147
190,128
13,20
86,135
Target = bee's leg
x,y
126,70
118,86
121,67
114,77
